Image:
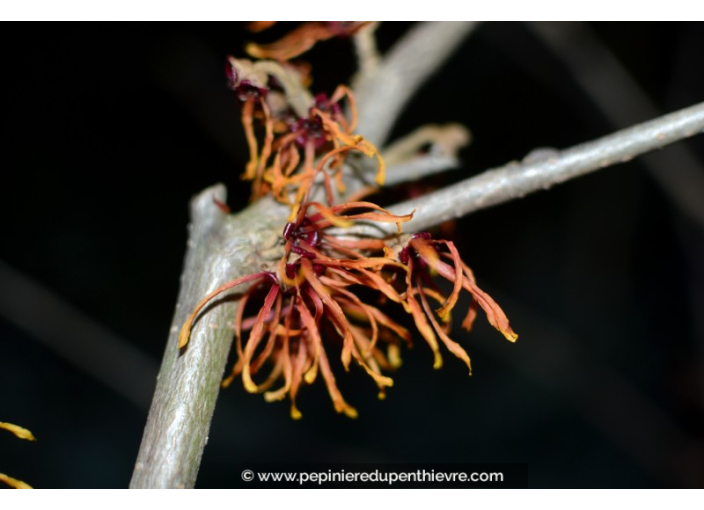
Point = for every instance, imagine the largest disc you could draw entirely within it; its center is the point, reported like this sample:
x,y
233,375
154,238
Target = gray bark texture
x,y
220,248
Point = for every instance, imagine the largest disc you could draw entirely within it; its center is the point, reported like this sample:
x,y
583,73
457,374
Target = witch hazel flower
x,y
292,320
423,258
298,130
310,297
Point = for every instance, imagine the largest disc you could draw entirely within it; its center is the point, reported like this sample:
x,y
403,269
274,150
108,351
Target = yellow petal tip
x,y
250,386
350,412
184,337
20,432
309,377
13,482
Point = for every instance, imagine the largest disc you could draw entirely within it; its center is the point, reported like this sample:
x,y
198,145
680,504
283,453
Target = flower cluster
x,y
290,321
303,134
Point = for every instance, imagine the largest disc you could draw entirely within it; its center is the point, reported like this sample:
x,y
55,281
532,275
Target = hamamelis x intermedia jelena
x,y
290,321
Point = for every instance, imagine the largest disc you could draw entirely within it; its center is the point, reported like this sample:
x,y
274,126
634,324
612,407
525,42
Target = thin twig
x,y
622,101
383,93
367,52
619,97
516,180
419,168
403,157
445,139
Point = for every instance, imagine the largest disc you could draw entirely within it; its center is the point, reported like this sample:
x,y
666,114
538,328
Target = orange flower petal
x,y
248,125
368,363
258,26
186,328
271,396
451,345
336,312
297,367
419,318
20,432
255,337
271,341
12,482
444,311
340,405
494,313
294,43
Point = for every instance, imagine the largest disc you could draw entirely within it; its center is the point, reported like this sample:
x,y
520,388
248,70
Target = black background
x,y
108,130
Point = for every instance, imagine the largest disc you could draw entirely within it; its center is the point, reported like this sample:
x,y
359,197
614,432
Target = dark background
x,y
108,130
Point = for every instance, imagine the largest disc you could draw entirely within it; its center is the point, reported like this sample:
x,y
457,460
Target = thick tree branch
x,y
220,248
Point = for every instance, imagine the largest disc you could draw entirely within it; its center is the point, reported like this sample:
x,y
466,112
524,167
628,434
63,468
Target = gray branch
x,y
367,53
420,168
516,180
220,248
383,92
